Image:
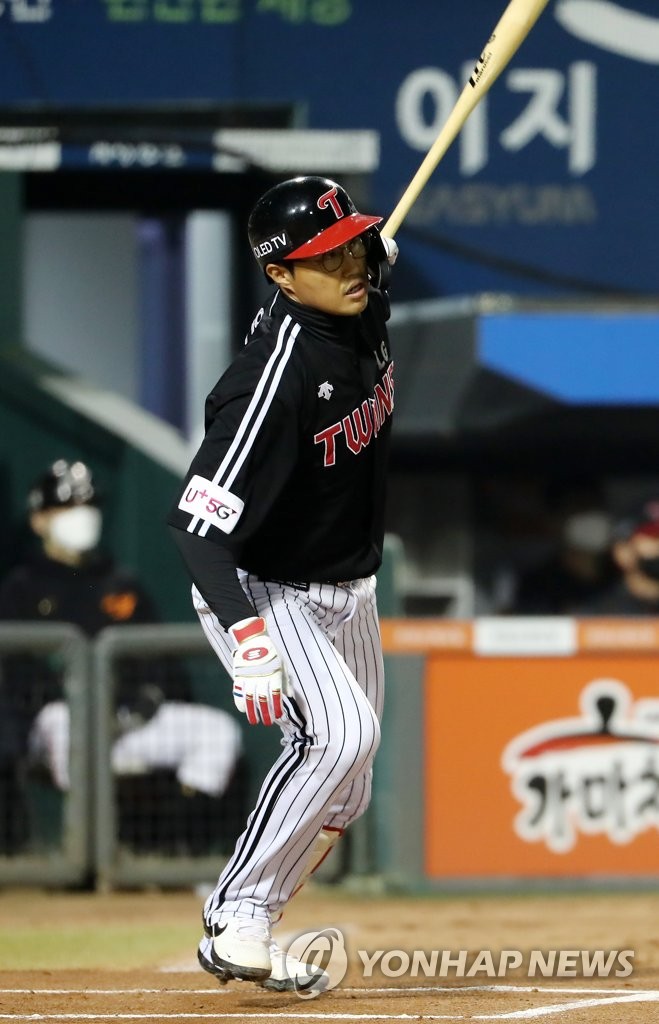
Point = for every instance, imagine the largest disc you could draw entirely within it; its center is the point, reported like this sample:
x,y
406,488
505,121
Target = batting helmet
x,y
304,217
63,484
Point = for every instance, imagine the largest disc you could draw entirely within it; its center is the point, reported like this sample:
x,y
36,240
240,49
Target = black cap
x,y
64,484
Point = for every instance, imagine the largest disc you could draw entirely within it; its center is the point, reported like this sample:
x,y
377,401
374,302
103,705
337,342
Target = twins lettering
x,y
363,424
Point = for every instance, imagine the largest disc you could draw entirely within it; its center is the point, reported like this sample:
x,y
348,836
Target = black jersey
x,y
290,476
91,595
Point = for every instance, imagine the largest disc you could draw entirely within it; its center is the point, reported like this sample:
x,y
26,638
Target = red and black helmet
x,y
304,217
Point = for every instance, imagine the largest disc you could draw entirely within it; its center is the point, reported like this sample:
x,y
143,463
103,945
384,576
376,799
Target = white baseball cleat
x,y
239,949
289,974
204,953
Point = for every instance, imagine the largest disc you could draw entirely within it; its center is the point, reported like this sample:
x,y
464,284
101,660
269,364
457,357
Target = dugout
x,y
502,403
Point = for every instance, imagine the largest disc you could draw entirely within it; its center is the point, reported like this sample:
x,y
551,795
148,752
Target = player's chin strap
x,y
325,842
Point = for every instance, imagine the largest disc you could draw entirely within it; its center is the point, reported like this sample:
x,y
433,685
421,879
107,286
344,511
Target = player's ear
x,y
283,277
279,272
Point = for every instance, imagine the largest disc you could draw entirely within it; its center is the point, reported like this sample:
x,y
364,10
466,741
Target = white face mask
x,y
76,529
588,531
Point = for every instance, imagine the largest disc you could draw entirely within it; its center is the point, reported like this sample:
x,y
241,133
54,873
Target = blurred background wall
x,y
136,134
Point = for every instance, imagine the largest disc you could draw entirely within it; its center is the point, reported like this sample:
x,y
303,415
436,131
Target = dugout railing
x,y
87,819
150,827
69,815
45,831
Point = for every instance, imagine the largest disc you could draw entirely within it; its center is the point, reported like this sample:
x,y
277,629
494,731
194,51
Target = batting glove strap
x,y
247,628
259,680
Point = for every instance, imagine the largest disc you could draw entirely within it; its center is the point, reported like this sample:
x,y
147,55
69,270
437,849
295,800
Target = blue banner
x,y
550,187
577,358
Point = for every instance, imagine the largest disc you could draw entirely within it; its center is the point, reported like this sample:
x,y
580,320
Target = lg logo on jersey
x,y
363,424
384,353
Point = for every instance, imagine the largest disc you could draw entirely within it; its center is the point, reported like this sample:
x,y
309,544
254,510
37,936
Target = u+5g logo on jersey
x,y
214,504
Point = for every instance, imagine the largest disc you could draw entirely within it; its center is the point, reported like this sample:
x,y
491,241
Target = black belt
x,y
298,585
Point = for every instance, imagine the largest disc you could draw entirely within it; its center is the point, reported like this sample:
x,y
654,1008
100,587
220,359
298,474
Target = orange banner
x,y
420,636
507,635
543,766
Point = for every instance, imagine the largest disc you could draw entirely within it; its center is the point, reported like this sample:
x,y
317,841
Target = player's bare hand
x,y
259,678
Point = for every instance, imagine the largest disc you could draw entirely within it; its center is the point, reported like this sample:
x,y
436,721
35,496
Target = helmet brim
x,y
338,234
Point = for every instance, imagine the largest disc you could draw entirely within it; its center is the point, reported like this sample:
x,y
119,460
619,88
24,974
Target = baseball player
x,y
280,524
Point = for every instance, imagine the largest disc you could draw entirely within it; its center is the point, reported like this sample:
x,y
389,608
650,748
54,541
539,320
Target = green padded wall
x,y
10,259
35,429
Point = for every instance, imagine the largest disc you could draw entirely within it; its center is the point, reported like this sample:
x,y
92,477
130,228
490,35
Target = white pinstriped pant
x,y
329,638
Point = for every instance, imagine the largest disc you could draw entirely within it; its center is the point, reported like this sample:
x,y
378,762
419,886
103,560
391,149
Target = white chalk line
x,y
529,1014
578,1004
222,991
228,1016
610,997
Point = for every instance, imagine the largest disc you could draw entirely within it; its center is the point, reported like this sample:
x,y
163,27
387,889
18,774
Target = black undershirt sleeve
x,y
213,571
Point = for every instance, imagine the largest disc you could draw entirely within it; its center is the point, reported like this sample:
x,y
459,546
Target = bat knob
x,y
382,255
380,274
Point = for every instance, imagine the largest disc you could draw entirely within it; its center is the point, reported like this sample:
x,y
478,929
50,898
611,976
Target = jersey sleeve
x,y
212,569
248,453
249,450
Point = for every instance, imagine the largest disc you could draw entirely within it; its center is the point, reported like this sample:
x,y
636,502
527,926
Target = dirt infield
x,y
131,956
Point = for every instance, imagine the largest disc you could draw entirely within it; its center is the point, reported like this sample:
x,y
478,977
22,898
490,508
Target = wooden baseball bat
x,y
512,28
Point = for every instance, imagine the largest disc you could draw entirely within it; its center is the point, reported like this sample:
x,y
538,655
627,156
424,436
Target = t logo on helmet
x,y
329,199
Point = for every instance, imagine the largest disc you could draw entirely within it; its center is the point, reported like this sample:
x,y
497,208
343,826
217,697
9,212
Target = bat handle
x,y
396,218
401,210
407,201
420,179
391,226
